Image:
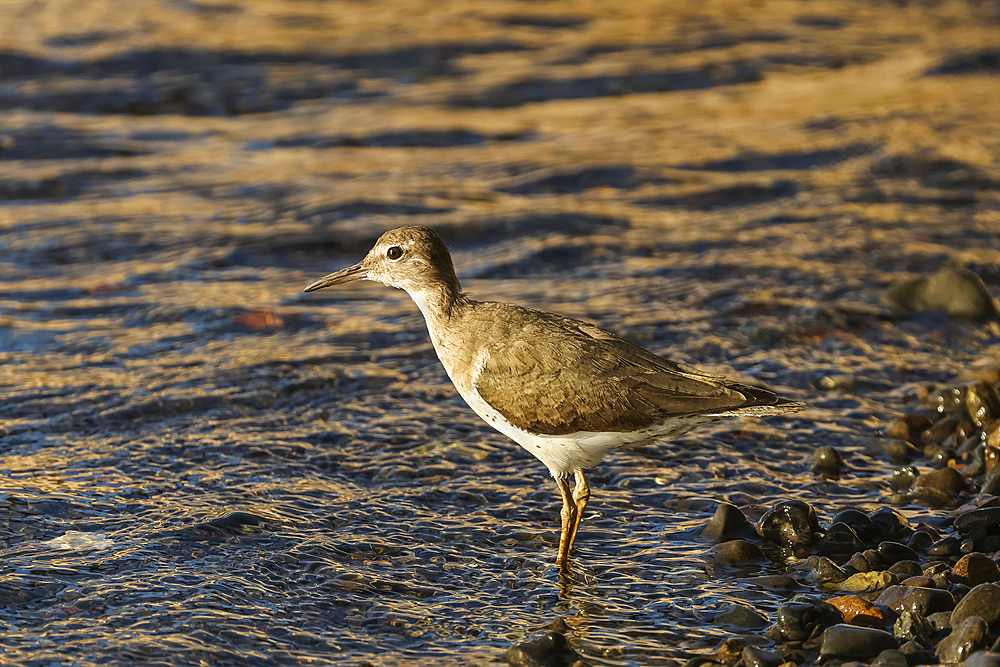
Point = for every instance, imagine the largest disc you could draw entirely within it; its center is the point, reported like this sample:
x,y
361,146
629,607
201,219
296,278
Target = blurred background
x,y
200,464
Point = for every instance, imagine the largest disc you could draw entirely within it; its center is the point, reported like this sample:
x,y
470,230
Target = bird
x,y
565,390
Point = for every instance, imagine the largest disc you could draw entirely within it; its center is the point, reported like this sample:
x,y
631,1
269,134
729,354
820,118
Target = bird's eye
x,y
394,252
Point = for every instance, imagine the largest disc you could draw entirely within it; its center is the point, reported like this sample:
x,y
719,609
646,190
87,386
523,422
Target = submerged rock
x,y
790,522
964,639
849,641
982,601
956,291
727,523
550,650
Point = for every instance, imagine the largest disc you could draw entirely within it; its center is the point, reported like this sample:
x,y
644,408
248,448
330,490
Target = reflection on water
x,y
202,465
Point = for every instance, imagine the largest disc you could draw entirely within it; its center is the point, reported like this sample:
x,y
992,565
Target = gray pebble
x,y
982,601
849,641
963,640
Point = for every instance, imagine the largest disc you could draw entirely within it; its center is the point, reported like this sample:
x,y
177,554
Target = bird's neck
x,y
442,305
439,302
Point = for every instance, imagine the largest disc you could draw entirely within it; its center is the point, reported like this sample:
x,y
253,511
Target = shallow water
x,y
202,465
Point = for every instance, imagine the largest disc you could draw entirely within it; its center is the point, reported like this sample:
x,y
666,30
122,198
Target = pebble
x,y
907,427
983,403
916,599
754,656
983,659
727,523
904,478
839,539
916,654
824,569
891,658
982,601
892,552
920,540
958,591
827,460
906,568
948,480
913,626
867,581
947,546
741,615
963,640
974,569
939,431
982,518
798,618
918,580
953,290
858,611
940,620
789,523
849,641
889,522
550,649
735,552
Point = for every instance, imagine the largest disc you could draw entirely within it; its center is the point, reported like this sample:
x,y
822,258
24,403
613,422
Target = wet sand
x,y
730,184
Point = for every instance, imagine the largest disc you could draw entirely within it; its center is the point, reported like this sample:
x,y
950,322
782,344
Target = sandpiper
x,y
566,391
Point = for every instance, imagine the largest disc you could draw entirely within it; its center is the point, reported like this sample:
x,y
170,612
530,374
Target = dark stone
x,y
839,539
916,654
801,616
919,540
947,546
849,641
940,620
982,518
939,431
754,656
944,457
982,601
735,552
893,552
827,460
948,480
859,562
913,626
727,523
956,291
906,568
907,427
740,615
824,569
974,569
790,522
964,639
861,523
983,403
891,658
890,522
904,478
983,659
958,591
550,650
915,599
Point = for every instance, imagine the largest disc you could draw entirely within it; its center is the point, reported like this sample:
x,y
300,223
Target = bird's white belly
x,y
564,454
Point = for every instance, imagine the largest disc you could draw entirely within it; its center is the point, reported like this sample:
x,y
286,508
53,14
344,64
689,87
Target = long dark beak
x,y
356,272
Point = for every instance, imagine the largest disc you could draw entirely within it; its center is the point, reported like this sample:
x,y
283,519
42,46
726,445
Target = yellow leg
x,y
581,496
568,515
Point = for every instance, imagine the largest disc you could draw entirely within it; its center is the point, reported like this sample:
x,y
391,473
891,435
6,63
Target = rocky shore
x,y
870,588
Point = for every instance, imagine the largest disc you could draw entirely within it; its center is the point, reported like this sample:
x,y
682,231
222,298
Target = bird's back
x,y
554,375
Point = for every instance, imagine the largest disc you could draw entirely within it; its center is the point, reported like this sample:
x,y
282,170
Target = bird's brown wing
x,y
553,375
